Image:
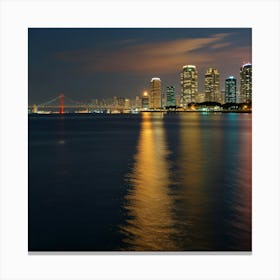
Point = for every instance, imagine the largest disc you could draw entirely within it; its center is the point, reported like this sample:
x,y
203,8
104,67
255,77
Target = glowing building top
x,y
246,64
155,79
189,66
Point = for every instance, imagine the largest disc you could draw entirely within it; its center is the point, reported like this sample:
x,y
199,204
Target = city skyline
x,y
105,62
139,165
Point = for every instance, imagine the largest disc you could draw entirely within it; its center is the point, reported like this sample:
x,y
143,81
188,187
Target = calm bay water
x,y
147,182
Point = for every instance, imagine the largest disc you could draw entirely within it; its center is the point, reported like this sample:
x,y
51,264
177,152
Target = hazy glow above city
x,y
100,63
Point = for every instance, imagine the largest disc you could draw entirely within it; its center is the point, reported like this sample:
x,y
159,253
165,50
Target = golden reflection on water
x,y
207,206
150,226
193,196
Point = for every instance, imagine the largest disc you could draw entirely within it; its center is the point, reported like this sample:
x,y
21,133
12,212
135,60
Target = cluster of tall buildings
x,y
157,98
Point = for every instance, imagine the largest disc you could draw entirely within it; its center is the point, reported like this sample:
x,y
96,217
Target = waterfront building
x,y
230,90
200,97
114,101
138,102
104,102
120,102
163,99
94,102
246,82
170,96
223,96
178,100
127,103
145,101
155,94
189,85
34,109
239,98
212,85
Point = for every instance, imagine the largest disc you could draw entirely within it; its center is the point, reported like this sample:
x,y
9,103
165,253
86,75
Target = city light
x,y
176,176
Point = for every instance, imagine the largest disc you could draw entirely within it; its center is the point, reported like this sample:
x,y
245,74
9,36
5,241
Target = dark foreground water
x,y
147,182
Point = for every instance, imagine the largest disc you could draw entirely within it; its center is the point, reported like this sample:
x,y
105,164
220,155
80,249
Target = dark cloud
x,y
164,57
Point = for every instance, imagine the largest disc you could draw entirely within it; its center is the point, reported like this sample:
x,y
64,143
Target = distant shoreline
x,y
164,112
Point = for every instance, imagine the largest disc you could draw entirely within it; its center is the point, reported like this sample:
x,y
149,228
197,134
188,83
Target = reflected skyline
x,y
193,204
198,201
150,225
148,182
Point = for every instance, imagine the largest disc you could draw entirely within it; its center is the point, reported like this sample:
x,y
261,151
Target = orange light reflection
x,y
149,204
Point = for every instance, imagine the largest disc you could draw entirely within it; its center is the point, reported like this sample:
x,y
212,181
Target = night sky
x,y
88,63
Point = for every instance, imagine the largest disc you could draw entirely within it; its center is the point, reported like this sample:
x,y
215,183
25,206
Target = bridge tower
x,y
61,103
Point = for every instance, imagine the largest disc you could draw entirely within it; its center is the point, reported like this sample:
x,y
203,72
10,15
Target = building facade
x,y
155,101
230,90
246,82
200,97
138,102
170,96
223,98
145,101
189,85
127,103
212,85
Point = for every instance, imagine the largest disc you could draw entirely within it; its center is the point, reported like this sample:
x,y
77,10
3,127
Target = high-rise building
x,y
239,98
212,85
34,109
189,85
138,102
145,101
200,97
246,82
127,103
120,102
170,96
230,90
223,98
155,94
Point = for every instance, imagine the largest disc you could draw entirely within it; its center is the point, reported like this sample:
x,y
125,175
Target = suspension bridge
x,y
61,103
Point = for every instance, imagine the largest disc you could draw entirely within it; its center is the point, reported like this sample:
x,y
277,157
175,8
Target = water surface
x,y
147,182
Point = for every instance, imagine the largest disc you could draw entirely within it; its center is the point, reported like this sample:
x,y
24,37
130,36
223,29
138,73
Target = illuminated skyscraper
x,y
120,102
189,85
200,97
127,103
170,96
230,90
155,94
223,96
145,101
138,102
212,85
246,82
